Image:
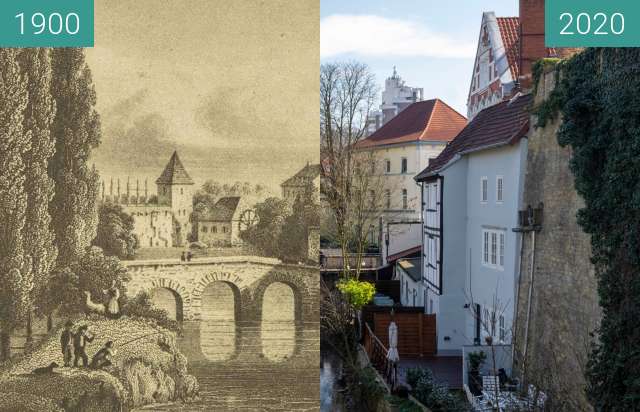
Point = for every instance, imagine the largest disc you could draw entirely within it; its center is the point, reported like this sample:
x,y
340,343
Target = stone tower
x,y
175,189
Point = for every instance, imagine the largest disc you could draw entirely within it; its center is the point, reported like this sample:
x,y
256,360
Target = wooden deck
x,y
445,368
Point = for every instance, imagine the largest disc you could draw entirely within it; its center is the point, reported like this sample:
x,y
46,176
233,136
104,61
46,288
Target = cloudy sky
x,y
432,42
232,85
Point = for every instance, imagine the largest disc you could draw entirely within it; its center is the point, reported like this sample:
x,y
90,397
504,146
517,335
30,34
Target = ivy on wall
x,y
598,95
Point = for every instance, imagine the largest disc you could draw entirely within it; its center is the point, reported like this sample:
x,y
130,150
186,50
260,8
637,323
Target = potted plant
x,y
476,359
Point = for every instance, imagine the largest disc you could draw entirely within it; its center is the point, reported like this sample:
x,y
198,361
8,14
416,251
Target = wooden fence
x,y
416,332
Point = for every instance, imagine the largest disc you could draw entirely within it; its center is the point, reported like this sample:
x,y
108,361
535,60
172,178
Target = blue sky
x,y
431,42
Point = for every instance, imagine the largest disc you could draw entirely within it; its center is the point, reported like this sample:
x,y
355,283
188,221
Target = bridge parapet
x,y
248,276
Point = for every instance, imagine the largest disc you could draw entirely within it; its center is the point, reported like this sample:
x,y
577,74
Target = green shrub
x,y
141,307
366,390
357,293
431,393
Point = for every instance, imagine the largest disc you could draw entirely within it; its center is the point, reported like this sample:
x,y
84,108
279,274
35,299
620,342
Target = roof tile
x,y
503,123
429,120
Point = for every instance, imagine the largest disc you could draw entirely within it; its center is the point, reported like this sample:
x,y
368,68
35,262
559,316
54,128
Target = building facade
x,y
403,147
221,226
396,97
507,49
162,220
472,194
298,183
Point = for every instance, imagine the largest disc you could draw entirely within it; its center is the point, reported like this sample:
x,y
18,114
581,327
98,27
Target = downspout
x,y
517,302
526,326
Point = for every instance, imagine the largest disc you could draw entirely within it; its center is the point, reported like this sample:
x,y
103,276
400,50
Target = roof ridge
x,y
431,113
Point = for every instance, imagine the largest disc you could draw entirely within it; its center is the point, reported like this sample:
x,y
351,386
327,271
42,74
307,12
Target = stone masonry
x,y
565,306
248,277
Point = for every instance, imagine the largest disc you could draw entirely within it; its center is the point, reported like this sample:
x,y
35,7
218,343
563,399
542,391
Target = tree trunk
x,y
49,322
5,346
29,327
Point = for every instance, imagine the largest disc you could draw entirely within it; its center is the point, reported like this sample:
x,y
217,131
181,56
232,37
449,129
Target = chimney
x,y
531,38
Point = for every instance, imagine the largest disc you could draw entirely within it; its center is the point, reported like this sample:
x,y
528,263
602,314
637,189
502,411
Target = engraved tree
x,y
16,275
76,130
38,118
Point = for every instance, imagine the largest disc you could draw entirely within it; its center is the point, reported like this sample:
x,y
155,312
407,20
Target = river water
x,y
330,396
251,366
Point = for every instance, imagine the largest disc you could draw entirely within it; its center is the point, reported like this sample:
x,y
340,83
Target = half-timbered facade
x,y
471,194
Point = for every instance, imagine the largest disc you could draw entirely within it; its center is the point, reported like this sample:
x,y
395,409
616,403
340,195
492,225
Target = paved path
x,y
445,369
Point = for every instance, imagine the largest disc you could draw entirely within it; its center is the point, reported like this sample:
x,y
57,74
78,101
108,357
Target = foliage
x,y
404,405
93,272
351,181
141,307
35,64
365,389
16,275
148,368
265,235
211,191
433,394
600,106
476,359
115,232
357,293
304,215
76,130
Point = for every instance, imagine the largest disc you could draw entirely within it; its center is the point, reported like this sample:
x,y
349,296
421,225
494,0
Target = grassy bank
x,y
149,370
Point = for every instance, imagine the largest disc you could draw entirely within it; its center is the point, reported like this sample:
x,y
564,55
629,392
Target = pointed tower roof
x,y
174,173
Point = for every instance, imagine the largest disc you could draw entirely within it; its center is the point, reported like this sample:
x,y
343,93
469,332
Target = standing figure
x,y
104,357
66,343
189,256
113,307
183,256
79,345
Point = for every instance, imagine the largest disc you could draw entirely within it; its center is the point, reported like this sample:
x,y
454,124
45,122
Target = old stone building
x,y
297,184
222,225
564,305
161,220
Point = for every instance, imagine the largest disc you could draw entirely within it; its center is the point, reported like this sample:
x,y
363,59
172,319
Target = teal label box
x,y
46,23
592,23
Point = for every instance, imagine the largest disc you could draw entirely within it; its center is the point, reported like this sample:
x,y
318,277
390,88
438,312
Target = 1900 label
x,y
47,23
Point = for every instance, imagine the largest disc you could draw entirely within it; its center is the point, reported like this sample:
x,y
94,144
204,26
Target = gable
x,y
495,66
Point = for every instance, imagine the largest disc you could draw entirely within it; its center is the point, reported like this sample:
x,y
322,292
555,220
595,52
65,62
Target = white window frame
x,y
484,189
388,199
404,164
493,248
499,189
387,166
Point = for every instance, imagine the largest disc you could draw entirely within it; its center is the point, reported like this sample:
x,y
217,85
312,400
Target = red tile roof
x,y
429,120
510,33
501,124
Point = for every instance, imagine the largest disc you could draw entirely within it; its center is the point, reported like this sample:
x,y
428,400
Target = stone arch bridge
x,y
248,276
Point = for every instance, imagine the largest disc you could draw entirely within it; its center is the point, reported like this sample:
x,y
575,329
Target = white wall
x,y
465,278
493,288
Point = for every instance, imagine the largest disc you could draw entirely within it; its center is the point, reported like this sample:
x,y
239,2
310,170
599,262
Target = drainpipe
x,y
526,326
516,300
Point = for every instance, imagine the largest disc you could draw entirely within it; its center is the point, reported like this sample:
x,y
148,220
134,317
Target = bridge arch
x,y
297,286
206,280
179,292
